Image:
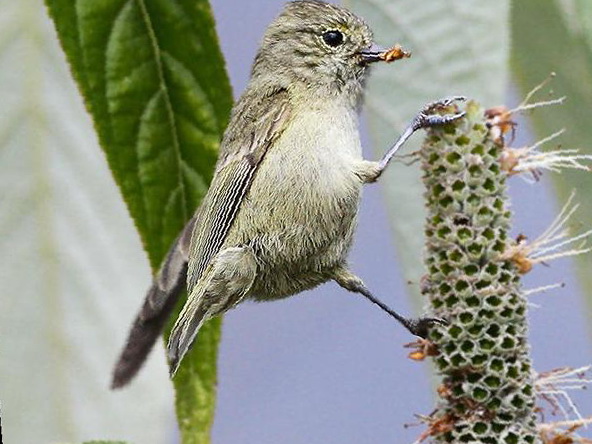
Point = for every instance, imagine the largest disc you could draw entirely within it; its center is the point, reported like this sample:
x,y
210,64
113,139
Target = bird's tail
x,y
143,335
158,305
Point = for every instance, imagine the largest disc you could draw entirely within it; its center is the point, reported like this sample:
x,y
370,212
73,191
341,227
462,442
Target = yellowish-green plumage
x,y
280,213
301,210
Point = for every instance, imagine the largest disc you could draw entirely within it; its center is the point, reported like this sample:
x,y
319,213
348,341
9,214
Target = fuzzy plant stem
x,y
486,393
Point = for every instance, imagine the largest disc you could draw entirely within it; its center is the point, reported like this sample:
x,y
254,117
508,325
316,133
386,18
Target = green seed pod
x,y
487,389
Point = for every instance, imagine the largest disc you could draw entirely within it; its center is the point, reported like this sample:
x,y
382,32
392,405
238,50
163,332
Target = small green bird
x,y
281,210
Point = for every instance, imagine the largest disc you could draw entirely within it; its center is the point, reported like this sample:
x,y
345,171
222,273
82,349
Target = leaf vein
x,y
167,99
110,115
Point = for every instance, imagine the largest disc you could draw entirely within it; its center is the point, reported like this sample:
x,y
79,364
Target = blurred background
x,y
325,366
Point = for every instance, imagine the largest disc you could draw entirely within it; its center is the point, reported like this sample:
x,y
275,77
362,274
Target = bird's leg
x,y
371,171
418,327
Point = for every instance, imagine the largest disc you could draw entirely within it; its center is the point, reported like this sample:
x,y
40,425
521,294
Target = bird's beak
x,y
376,53
372,54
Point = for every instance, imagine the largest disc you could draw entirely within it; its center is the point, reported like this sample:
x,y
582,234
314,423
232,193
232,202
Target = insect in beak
x,y
376,53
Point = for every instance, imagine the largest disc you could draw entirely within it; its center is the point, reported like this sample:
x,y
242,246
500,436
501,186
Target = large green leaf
x,y
153,78
459,47
72,268
550,36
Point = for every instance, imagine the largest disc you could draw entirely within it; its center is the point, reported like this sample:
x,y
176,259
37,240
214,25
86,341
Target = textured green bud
x,y
487,392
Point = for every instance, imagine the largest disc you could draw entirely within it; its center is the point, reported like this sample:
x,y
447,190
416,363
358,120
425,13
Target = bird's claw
x,y
421,327
426,117
442,103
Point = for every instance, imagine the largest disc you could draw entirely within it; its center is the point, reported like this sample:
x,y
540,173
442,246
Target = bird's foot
x,y
426,117
421,327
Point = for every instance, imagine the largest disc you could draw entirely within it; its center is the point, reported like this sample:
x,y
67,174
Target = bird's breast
x,y
308,176
302,206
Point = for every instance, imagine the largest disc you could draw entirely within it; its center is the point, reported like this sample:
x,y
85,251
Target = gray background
x,y
327,366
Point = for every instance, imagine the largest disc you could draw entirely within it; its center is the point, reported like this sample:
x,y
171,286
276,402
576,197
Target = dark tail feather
x,y
158,305
142,337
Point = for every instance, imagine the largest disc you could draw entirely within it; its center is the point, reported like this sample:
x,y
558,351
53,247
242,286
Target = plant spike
x,y
487,393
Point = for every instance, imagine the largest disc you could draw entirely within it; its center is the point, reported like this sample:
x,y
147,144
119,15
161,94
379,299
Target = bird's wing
x,y
256,122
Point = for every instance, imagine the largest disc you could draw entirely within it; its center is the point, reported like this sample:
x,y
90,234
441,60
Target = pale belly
x,y
300,214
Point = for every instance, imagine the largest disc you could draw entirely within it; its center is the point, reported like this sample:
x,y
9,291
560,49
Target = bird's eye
x,y
333,38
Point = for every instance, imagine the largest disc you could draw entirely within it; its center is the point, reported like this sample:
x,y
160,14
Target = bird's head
x,y
316,46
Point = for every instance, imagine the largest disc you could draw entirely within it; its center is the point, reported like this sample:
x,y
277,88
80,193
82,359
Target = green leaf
x,y
69,254
154,81
195,408
458,48
561,42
